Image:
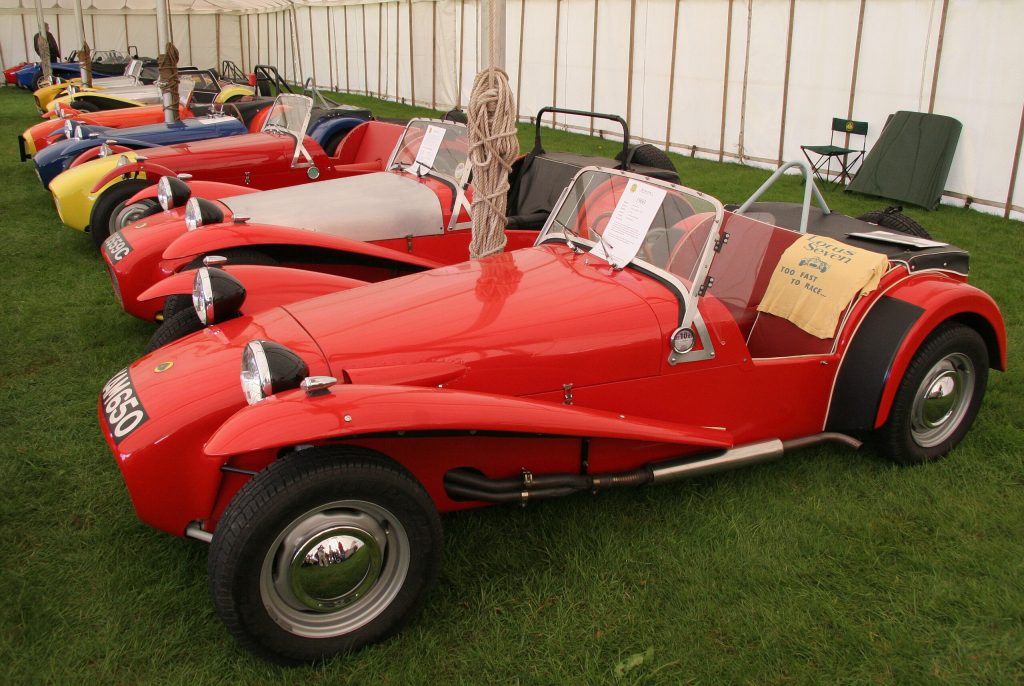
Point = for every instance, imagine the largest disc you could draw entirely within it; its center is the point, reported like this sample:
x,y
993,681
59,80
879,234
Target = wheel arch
x,y
891,332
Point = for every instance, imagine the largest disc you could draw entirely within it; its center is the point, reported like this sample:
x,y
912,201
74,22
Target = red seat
x,y
368,145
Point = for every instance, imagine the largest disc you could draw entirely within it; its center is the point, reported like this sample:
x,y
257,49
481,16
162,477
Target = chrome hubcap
x,y
129,214
942,400
334,569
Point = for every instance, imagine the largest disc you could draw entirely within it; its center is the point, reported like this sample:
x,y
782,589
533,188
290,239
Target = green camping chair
x,y
824,154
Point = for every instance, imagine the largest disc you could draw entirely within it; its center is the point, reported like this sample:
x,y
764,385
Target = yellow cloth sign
x,y
815,280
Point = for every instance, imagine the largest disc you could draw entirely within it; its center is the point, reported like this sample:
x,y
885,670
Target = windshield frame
x,y
459,181
555,231
300,135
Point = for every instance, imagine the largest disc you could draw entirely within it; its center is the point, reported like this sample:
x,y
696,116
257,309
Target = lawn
x,y
828,567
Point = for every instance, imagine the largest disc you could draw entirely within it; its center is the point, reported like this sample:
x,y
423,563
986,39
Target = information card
x,y
628,225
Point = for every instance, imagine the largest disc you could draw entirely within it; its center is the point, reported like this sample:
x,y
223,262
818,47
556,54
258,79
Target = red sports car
x,y
648,335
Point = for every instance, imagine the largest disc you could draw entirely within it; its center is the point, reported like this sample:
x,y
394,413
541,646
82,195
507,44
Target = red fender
x,y
211,190
93,153
293,418
942,298
209,239
151,170
265,286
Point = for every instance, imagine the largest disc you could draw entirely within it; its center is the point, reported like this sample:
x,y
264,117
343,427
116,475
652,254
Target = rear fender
x,y
93,153
152,171
210,190
208,240
265,286
229,92
349,411
890,334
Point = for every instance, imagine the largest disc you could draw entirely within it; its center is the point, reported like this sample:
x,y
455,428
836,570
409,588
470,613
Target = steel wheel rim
x,y
127,215
329,602
942,399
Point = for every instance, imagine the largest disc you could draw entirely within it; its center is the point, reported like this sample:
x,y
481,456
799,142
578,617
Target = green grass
x,y
827,567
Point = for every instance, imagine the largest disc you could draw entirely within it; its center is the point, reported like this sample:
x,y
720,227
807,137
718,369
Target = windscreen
x,y
622,219
431,147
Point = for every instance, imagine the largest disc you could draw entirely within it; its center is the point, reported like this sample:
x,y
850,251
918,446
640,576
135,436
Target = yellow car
x,y
73,192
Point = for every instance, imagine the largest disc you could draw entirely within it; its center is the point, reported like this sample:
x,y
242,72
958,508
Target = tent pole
x,y
1016,164
671,78
366,59
938,55
45,58
80,24
785,78
725,83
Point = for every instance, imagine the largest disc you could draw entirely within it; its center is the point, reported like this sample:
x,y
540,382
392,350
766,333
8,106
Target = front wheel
x,y
107,207
323,552
938,398
129,214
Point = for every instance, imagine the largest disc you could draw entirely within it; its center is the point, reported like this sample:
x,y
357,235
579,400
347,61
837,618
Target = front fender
x,y
265,286
210,190
210,239
229,92
94,152
152,171
891,333
348,411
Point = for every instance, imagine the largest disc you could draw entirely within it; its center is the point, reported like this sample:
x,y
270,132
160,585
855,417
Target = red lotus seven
x,y
647,335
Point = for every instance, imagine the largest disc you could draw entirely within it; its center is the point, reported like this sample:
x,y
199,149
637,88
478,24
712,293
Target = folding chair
x,y
826,153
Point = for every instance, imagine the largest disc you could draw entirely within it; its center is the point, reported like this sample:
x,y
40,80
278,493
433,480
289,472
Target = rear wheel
x,y
323,552
108,205
892,218
938,398
174,304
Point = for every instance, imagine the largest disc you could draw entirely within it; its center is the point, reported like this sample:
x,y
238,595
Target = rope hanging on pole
x,y
85,59
494,145
168,65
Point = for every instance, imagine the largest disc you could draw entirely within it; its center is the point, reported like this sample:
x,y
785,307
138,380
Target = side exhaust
x,y
469,484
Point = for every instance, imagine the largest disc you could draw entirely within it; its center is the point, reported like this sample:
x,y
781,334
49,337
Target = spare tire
x,y
892,218
647,155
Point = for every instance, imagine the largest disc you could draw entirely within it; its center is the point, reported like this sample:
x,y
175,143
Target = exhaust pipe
x,y
464,484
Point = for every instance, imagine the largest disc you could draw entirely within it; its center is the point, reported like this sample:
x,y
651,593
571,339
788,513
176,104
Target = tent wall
x,y
751,80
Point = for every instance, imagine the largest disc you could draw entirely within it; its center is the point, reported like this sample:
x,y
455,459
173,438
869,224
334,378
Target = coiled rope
x,y
494,145
168,65
85,59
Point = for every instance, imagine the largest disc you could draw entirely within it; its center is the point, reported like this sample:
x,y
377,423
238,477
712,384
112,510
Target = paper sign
x,y
429,146
625,231
899,239
214,119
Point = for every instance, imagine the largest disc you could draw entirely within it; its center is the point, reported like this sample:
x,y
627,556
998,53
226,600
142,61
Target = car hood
x,y
370,207
232,148
518,323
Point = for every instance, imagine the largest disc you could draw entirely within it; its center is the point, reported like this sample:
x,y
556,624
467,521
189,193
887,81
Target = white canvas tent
x,y
739,80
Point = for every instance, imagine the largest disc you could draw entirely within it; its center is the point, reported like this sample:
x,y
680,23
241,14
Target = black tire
x,y
951,366
181,324
343,496
134,212
892,218
173,304
647,155
108,205
41,82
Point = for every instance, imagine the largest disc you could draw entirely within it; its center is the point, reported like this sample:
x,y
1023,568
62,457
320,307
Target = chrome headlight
x,y
105,150
69,128
76,132
269,368
200,211
122,160
59,110
172,192
216,295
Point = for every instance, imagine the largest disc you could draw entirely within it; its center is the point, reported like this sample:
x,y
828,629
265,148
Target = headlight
x,y
172,192
59,110
269,368
200,212
69,128
105,150
122,160
216,295
77,132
